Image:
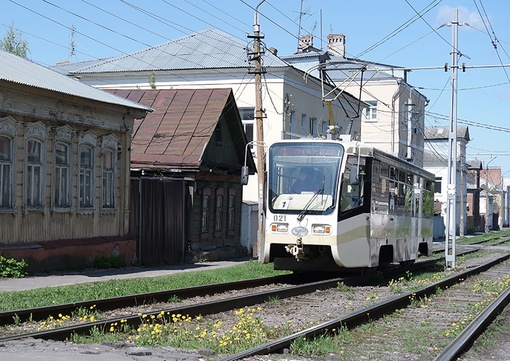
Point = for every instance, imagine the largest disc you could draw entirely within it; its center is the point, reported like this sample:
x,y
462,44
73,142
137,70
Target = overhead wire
x,y
400,28
104,27
238,88
166,139
430,26
493,39
222,10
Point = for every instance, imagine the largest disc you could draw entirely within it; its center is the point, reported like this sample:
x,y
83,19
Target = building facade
x,y
186,161
394,117
64,167
436,161
292,102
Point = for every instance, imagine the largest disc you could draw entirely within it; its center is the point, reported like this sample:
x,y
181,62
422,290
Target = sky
x,y
415,34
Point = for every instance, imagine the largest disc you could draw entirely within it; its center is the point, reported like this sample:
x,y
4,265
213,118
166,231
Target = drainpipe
x,y
410,106
394,98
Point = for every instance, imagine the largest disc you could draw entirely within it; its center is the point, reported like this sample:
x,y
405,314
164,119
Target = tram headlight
x,y
321,228
280,227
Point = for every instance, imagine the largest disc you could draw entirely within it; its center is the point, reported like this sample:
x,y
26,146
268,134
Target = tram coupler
x,y
297,250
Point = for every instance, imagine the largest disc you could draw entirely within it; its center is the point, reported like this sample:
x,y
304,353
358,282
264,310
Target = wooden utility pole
x,y
259,115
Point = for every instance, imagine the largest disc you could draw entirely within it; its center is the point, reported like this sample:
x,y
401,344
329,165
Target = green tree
x,y
14,43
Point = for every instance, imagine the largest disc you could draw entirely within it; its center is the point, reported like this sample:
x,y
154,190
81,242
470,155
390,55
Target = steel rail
x,y
212,307
466,338
106,304
363,315
203,309
111,303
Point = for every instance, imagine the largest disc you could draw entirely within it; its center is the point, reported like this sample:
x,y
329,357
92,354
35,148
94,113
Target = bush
x,y
11,268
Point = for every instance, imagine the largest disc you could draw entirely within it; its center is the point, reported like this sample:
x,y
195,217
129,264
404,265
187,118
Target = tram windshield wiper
x,y
306,208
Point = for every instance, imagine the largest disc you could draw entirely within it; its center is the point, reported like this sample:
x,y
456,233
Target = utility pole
x,y
487,195
462,222
451,209
256,56
487,198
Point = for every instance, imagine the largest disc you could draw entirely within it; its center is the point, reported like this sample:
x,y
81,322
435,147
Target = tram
x,y
335,205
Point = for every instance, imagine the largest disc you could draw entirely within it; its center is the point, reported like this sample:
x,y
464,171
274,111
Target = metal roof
x,y
176,134
210,48
67,67
22,71
439,133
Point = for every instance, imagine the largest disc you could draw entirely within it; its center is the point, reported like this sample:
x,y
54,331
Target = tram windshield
x,y
303,176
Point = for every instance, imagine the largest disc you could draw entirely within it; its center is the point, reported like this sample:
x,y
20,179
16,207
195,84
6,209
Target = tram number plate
x,y
279,218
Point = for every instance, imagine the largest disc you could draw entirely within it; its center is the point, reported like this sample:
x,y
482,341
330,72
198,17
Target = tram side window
x,y
397,196
352,187
428,199
380,190
410,208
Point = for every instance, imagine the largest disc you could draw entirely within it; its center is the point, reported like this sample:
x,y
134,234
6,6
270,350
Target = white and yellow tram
x,y
360,208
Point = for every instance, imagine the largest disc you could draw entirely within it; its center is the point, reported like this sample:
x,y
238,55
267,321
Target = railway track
x,y
354,319
111,303
467,337
368,314
299,284
107,304
202,309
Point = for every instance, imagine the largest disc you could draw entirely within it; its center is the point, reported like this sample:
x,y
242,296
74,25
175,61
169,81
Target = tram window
x,y
428,199
351,194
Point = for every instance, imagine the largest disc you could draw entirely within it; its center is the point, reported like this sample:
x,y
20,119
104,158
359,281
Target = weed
x,y
174,299
12,268
273,300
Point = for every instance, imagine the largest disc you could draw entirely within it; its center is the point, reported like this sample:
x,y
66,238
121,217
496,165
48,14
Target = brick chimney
x,y
336,44
304,42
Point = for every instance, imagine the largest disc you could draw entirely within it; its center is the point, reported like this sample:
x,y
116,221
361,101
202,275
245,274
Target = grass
x,y
247,328
95,290
401,331
484,237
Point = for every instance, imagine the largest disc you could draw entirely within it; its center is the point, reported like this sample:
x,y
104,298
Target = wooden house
x,y
64,168
186,159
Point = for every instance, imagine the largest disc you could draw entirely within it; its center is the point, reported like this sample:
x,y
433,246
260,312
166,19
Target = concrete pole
x,y
451,209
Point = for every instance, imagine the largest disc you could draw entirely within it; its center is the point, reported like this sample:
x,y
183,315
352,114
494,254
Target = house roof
x,y
474,164
440,133
176,133
18,70
348,65
210,48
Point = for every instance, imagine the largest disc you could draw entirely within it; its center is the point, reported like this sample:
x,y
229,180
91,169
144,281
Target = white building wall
x,y
393,131
440,150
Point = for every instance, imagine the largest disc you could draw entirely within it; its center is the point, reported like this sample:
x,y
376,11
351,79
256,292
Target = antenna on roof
x,y
301,13
72,48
